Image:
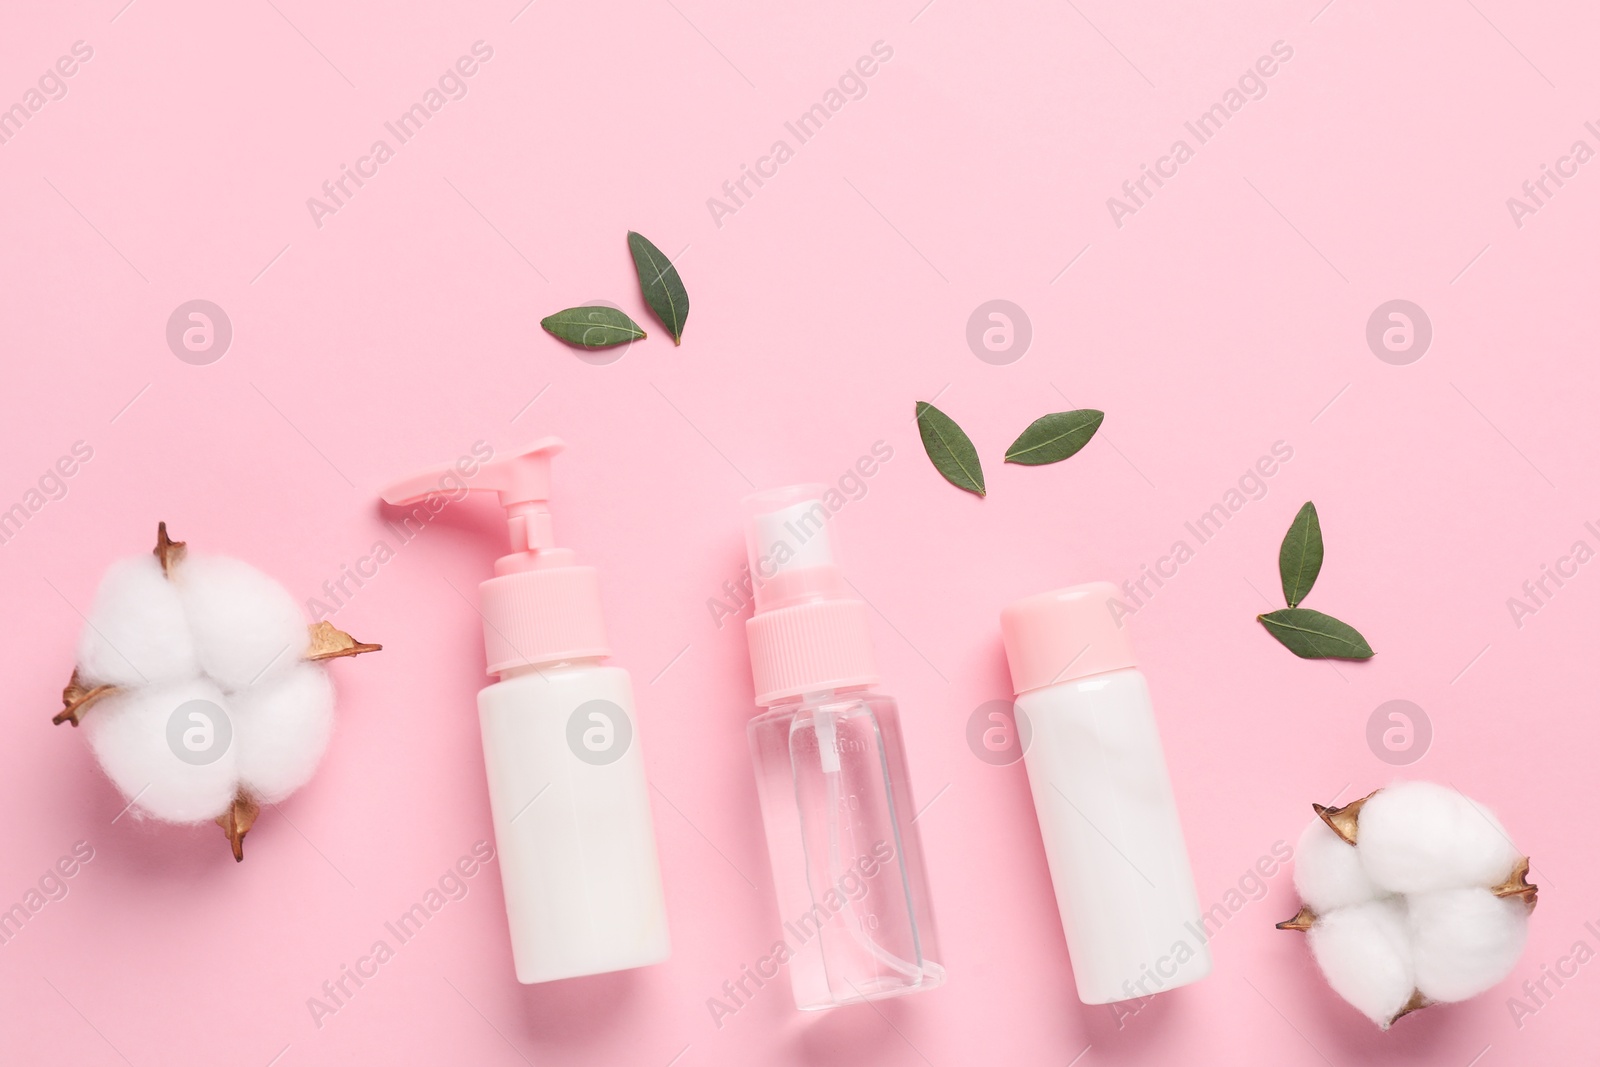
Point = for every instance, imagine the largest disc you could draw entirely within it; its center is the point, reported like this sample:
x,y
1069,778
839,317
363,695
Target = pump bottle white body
x,y
1112,837
572,822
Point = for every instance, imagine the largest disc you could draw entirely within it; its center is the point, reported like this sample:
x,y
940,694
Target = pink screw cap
x,y
1065,634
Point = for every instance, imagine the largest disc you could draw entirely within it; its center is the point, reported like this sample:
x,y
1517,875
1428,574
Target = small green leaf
x,y
1300,556
1313,635
592,327
663,289
949,448
1055,437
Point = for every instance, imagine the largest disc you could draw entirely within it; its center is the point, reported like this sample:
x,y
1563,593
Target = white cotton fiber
x,y
1365,953
213,630
247,628
136,632
1464,941
1416,913
1327,871
1416,837
129,734
282,729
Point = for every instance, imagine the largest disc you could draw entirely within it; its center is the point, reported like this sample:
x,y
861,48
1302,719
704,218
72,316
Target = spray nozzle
x,y
522,480
809,631
790,553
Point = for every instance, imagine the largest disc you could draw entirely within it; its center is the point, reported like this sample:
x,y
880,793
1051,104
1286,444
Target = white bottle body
x,y
574,832
1112,837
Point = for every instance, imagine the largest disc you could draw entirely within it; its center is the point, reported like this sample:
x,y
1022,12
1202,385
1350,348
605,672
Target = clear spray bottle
x,y
567,787
831,771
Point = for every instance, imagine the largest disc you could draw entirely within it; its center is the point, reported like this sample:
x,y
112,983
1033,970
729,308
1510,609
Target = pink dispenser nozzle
x,y
523,482
541,606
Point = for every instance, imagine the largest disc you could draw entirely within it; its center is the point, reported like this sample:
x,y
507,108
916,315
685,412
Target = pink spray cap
x,y
1065,634
541,606
809,632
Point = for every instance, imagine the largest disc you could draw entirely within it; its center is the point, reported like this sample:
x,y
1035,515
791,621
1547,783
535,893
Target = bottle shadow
x,y
1139,1031
820,1038
565,1015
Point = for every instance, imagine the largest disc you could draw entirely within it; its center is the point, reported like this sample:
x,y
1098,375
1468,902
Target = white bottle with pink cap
x,y
567,787
831,773
1106,810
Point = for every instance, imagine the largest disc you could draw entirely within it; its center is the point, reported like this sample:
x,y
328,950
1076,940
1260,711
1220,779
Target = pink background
x,y
1227,314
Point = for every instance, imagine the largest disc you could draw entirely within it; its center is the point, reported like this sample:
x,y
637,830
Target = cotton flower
x,y
201,689
1414,895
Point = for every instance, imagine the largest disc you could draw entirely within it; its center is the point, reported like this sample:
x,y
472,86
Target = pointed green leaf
x,y
592,327
663,289
949,448
1313,635
1300,556
1055,437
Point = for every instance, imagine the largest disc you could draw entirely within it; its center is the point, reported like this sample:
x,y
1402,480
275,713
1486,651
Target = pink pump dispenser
x,y
541,606
567,787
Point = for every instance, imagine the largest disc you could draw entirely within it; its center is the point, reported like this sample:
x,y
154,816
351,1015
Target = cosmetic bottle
x,y
830,771
1105,804
567,787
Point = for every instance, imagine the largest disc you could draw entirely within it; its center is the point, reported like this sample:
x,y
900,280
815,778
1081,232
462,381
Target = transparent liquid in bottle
x,y
846,860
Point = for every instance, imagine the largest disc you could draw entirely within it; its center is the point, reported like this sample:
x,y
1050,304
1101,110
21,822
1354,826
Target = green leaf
x,y
663,289
1300,556
1055,437
949,448
592,327
1313,635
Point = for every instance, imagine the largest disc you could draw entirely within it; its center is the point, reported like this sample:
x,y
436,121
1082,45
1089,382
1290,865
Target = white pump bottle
x,y
567,786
